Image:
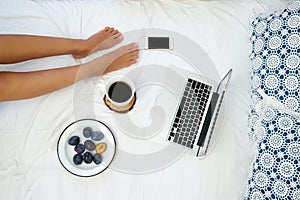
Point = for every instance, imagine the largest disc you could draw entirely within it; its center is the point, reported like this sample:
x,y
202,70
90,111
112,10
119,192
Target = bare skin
x,y
104,39
18,48
123,61
23,85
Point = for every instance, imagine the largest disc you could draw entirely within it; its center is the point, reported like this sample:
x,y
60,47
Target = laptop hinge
x,y
208,118
211,125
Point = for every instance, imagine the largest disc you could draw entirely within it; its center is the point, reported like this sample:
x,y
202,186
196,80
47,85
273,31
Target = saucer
x,y
120,109
65,151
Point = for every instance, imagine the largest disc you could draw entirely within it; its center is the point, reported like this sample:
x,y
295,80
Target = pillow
x,y
275,128
275,173
275,60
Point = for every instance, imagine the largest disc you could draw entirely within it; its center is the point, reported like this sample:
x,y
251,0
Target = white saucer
x,y
66,152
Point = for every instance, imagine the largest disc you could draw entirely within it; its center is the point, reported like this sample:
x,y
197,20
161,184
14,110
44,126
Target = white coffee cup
x,y
119,91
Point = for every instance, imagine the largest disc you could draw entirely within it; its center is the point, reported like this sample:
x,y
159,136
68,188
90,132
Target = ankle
x,y
81,48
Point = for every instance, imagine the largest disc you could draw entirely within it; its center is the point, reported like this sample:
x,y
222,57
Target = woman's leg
x,y
23,85
17,48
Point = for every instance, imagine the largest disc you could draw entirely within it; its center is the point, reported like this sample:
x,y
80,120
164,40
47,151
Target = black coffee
x,y
119,92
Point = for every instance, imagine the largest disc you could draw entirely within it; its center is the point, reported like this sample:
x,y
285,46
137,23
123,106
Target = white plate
x,y
66,152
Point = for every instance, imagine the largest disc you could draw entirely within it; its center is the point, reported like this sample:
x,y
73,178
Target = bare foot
x,y
123,61
104,39
122,57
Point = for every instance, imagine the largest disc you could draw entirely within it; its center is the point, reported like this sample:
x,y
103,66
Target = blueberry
x,y
89,145
97,135
77,159
97,158
87,132
87,157
79,148
74,140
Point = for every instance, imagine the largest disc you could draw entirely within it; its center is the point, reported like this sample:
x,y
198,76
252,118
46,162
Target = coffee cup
x,y
119,93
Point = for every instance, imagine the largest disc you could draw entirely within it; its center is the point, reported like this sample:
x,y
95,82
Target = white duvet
x,y
29,129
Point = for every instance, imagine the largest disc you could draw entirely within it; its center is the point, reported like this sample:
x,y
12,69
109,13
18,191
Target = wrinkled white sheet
x,y
29,129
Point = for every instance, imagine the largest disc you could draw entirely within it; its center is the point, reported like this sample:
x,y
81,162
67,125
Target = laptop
x,y
196,114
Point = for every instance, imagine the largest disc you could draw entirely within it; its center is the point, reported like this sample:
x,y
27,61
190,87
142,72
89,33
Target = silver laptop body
x,y
196,114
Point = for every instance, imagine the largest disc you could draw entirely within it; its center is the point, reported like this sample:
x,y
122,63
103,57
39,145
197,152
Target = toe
x,y
111,30
114,32
135,52
118,39
134,57
134,46
117,35
129,47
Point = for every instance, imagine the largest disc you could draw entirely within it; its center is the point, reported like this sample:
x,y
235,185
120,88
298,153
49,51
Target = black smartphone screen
x,y
158,43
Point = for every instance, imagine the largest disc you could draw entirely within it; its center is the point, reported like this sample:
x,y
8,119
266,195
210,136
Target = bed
x,y
30,129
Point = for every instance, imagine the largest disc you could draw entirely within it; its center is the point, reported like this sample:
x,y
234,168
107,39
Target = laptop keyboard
x,y
190,113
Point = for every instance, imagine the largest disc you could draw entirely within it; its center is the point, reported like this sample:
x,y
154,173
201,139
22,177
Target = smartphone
x,y
158,43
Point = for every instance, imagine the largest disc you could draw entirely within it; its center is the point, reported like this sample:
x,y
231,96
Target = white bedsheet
x,y
29,129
